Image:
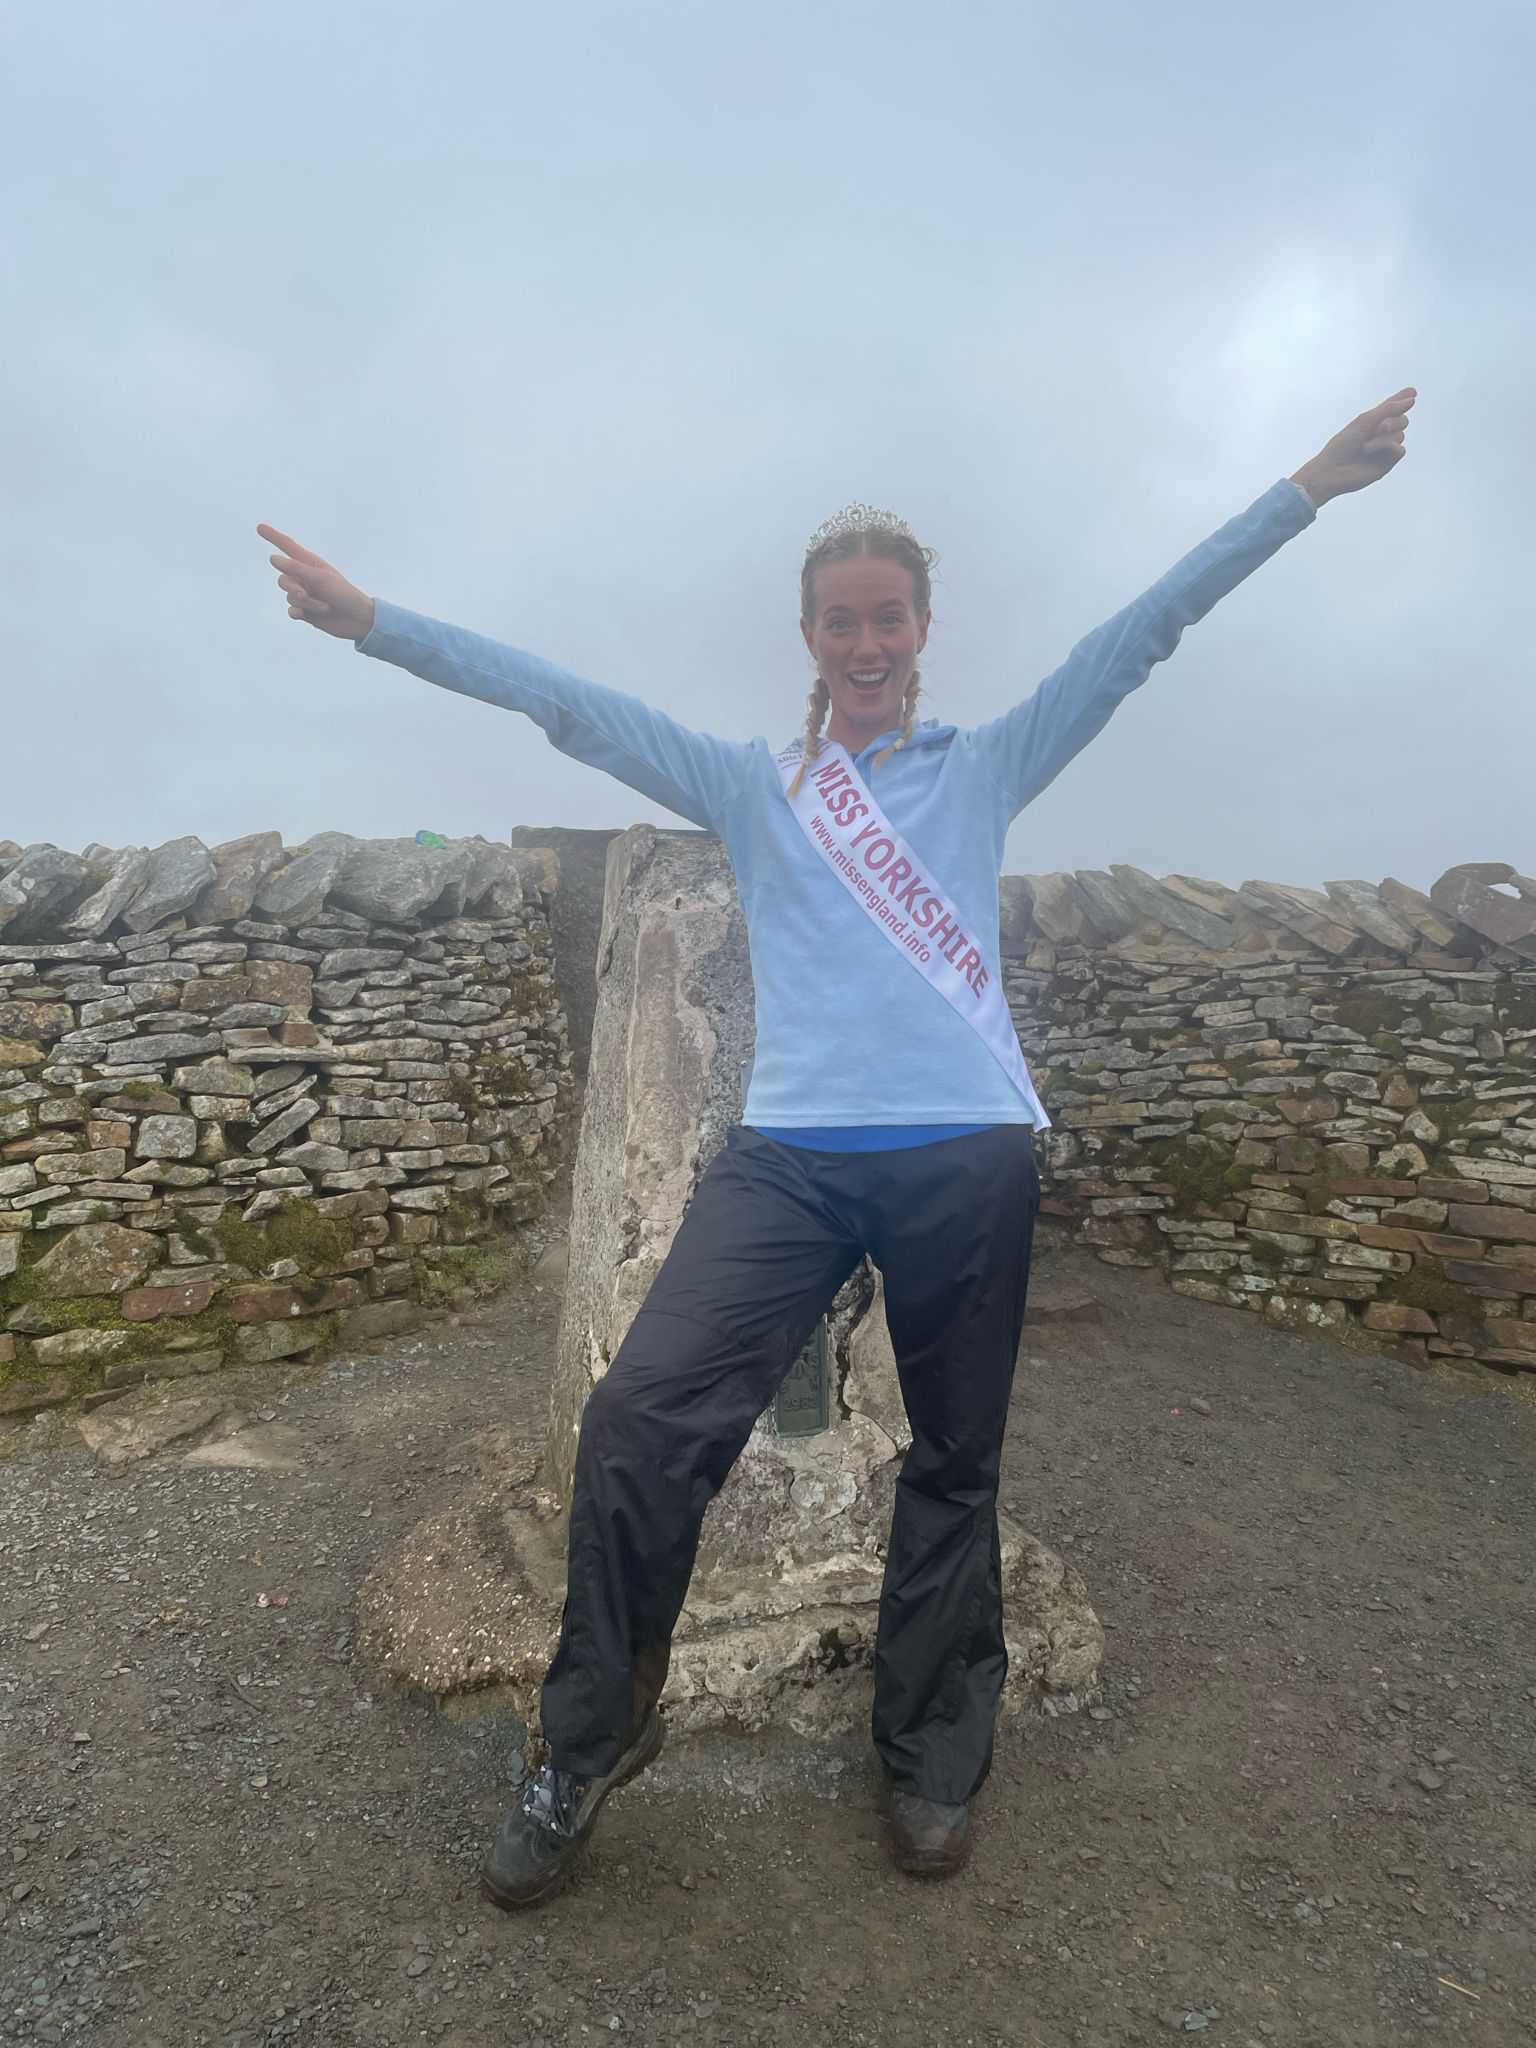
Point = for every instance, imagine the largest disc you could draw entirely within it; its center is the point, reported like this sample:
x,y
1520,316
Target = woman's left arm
x,y
1028,747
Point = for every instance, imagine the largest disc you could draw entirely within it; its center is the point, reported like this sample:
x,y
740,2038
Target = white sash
x,y
899,894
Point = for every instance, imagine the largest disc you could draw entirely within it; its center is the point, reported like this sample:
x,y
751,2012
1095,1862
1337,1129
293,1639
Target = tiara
x,y
858,519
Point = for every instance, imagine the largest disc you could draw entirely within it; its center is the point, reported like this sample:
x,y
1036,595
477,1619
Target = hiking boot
x,y
928,1839
539,1840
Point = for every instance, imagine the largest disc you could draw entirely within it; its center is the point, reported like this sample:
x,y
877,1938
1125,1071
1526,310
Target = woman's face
x,y
865,634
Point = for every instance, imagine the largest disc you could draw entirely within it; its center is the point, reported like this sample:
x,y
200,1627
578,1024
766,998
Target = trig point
x,y
779,1625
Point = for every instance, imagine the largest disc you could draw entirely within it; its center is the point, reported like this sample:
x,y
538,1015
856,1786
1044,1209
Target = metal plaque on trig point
x,y
804,1402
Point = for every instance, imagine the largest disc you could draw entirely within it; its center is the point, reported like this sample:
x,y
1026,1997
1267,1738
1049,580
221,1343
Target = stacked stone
x,y
195,1040
1317,1105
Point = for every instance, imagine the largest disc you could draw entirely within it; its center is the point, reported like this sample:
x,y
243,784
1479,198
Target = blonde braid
x,y
908,721
817,705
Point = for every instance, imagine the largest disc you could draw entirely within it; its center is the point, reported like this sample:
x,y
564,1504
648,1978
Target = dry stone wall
x,y
1317,1105
256,1099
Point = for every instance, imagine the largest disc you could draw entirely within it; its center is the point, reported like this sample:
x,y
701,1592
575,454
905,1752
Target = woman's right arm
x,y
689,772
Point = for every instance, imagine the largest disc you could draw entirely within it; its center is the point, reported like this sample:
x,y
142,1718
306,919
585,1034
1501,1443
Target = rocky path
x,y
1304,1813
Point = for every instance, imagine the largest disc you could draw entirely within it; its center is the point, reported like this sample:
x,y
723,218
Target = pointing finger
x,y
1400,401
290,546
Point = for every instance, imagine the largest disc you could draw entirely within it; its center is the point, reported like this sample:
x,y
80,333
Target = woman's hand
x,y
1361,453
318,594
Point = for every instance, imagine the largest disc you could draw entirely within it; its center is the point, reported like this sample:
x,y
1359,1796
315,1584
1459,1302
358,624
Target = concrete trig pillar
x,y
779,1625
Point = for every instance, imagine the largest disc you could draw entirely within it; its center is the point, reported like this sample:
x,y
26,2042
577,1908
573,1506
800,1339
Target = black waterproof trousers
x,y
769,1238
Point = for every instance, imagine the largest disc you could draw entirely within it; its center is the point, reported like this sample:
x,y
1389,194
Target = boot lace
x,y
552,1800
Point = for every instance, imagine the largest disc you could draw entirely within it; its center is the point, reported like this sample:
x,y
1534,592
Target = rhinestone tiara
x,y
858,519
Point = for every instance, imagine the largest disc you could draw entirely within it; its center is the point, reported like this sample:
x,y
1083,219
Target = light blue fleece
x,y
848,1032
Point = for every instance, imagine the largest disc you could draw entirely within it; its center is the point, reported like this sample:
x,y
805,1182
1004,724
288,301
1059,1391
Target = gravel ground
x,y
1302,1815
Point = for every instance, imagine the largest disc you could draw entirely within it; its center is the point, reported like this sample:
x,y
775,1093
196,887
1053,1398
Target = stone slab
x,y
124,1435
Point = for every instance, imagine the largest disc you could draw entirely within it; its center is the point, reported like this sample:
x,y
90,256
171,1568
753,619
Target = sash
x,y
902,898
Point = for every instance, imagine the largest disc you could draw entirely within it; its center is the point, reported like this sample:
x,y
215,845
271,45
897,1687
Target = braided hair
x,y
861,530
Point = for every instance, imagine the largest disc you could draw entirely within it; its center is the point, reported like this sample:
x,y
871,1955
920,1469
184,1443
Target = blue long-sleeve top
x,y
848,1034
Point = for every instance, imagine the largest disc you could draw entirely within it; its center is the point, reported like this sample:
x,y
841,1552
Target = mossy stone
x,y
294,1230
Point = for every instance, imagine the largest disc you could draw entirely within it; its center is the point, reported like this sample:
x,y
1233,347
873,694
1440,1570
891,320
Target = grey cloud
x,y
571,330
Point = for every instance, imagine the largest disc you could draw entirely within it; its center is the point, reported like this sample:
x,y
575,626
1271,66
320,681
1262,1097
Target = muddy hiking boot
x,y
928,1839
539,1840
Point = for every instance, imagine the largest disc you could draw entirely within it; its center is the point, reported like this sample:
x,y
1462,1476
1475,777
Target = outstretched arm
x,y
1029,746
689,772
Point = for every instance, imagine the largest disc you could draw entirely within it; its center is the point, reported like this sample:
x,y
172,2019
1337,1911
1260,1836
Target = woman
x,y
889,1115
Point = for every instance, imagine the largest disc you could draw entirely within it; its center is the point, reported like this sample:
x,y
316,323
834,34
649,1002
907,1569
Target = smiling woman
x,y
865,609
889,1116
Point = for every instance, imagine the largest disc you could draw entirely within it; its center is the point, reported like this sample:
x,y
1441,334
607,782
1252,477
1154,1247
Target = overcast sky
x,y
569,323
